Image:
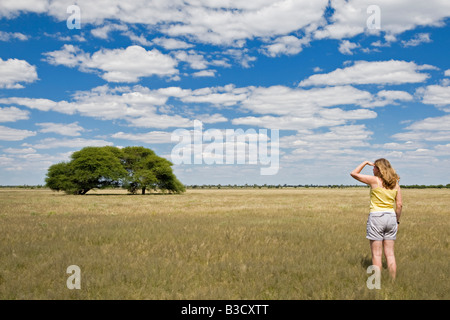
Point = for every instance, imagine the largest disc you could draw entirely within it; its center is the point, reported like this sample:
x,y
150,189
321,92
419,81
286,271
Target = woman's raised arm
x,y
370,180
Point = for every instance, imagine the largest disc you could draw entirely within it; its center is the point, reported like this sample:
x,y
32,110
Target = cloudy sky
x,y
341,81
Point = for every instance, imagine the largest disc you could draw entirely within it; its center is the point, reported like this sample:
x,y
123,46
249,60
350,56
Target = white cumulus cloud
x,y
14,71
436,95
12,114
371,72
70,129
417,40
149,137
11,134
346,47
50,143
350,17
117,65
7,36
288,45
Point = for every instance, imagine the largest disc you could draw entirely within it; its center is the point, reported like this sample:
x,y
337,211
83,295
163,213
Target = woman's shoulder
x,y
376,182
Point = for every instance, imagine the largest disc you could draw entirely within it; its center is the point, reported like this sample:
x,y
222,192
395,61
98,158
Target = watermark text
x,y
228,146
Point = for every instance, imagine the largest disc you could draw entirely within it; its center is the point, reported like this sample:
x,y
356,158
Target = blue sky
x,y
338,88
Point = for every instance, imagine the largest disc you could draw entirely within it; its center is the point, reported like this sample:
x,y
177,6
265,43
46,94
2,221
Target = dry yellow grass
x,y
216,244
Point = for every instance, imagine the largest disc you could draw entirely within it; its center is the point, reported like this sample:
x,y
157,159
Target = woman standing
x,y
385,210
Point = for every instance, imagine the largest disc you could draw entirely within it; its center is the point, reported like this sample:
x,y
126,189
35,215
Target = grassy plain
x,y
304,243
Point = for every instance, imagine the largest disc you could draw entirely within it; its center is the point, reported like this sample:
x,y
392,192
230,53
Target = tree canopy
x,y
133,168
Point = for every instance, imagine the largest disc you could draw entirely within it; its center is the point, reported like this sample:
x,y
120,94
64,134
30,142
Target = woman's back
x,y
382,200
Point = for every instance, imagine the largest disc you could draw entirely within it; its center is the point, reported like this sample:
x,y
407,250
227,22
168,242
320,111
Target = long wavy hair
x,y
387,173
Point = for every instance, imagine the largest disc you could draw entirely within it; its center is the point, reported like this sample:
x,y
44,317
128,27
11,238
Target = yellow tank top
x,y
382,200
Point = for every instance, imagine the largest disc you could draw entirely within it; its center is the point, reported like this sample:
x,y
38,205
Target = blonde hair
x,y
387,173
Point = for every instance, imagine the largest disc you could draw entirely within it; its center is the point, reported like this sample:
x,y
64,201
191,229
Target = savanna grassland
x,y
303,243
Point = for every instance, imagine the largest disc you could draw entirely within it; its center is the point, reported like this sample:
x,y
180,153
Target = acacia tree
x,y
167,181
145,170
59,178
98,167
91,167
139,169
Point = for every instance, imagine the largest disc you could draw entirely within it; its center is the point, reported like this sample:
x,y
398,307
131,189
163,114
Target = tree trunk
x,y
143,190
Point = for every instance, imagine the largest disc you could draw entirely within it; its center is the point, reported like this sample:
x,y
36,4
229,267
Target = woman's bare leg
x,y
390,257
376,246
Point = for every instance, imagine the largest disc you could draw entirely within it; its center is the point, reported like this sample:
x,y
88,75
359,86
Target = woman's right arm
x,y
370,180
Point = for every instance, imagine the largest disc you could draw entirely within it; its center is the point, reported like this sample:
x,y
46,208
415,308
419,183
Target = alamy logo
x,y
374,20
228,146
373,281
73,281
74,20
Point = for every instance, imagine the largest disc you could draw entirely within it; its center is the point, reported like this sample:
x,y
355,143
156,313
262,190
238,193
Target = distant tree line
x,y
257,186
421,186
133,168
280,186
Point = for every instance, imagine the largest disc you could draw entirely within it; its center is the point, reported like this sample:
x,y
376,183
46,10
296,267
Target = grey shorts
x,y
382,226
